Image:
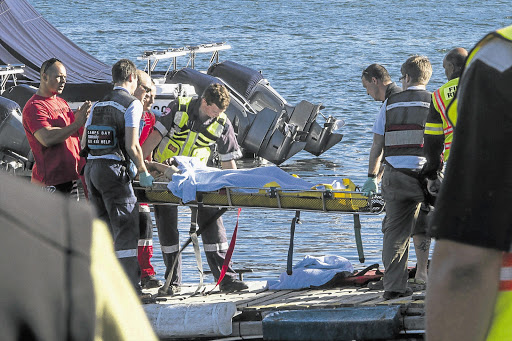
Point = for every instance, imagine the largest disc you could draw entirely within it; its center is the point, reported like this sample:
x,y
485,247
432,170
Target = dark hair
x,y
122,70
216,94
457,57
47,63
378,71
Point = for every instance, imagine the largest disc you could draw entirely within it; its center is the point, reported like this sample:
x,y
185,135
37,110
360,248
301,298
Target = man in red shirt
x,y
146,92
53,131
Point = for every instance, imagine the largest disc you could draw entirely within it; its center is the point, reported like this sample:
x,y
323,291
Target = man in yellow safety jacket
x,y
191,127
469,294
438,130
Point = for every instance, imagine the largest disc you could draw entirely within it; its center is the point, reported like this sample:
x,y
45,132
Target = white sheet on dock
x,y
197,177
312,271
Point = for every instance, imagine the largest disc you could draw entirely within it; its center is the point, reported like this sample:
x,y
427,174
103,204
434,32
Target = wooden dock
x,y
254,305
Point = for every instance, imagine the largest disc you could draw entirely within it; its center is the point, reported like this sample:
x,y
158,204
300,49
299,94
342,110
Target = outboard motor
x,y
20,94
14,147
293,128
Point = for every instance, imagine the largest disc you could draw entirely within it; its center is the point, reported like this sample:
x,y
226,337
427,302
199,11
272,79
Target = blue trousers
x,y
213,235
111,194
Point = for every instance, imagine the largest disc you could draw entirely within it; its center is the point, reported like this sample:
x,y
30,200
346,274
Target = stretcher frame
x,y
327,201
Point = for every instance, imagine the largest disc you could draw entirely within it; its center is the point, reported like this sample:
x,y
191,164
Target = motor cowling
x,y
13,141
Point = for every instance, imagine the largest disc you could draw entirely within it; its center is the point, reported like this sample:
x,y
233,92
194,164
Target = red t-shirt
x,y
59,163
146,127
147,124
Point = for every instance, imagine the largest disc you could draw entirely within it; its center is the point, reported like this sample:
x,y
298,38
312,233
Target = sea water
x,y
311,50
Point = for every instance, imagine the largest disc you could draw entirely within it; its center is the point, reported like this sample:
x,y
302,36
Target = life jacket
x,y
504,33
501,328
185,139
441,98
105,134
406,114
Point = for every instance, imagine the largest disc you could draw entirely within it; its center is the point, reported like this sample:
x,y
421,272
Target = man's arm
x,y
228,164
376,153
151,143
134,150
49,136
433,142
461,292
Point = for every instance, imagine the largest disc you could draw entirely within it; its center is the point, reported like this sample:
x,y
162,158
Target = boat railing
x,y
8,71
153,57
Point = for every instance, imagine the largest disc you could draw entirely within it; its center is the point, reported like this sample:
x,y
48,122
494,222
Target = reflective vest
x,y
501,328
185,139
406,114
504,33
105,134
441,98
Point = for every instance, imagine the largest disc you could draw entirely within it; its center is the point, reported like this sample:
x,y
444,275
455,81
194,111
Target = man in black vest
x,y
112,141
398,142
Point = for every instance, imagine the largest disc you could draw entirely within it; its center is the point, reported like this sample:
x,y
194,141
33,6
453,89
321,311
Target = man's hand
x,y
82,113
369,187
433,186
146,179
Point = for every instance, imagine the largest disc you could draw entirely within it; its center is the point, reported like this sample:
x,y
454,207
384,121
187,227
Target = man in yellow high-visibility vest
x,y
438,130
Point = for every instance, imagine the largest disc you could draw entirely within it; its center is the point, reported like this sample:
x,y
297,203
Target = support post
x,y
357,234
295,220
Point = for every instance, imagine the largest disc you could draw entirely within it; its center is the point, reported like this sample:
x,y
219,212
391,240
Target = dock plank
x,y
257,302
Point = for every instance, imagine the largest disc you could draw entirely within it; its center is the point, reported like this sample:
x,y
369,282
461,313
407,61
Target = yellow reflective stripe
x,y
506,32
184,102
189,144
500,329
181,118
434,129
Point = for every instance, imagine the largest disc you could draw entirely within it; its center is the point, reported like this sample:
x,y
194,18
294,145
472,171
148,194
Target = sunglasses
x,y
49,63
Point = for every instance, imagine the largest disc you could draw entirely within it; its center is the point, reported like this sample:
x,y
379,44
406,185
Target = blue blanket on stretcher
x,y
195,177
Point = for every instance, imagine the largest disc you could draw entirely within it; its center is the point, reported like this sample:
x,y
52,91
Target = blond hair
x,y
418,68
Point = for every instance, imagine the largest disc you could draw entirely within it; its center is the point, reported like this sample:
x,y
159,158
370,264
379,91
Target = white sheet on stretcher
x,y
195,177
312,271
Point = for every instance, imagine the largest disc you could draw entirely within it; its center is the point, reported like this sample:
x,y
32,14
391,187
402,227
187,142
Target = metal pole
x,y
357,233
295,220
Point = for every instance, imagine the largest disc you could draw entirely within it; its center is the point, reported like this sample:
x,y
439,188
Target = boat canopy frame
x,y
153,57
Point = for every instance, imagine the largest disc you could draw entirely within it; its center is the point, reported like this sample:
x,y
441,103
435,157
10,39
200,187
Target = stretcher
x,y
321,198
